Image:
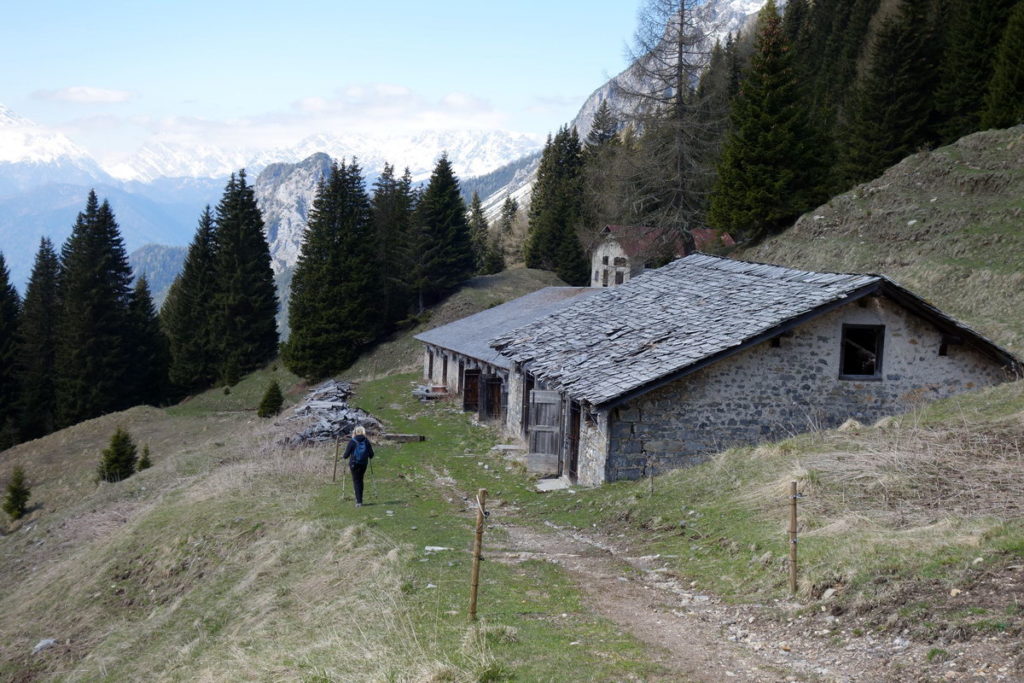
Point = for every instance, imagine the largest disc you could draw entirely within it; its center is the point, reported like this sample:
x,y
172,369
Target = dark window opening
x,y
861,353
943,349
604,260
618,278
430,365
604,279
444,369
621,262
776,342
597,276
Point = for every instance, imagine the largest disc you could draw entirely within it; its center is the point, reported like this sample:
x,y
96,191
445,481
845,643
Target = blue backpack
x,y
359,456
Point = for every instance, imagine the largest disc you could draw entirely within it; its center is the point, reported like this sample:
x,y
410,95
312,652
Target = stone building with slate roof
x,y
707,353
625,251
459,357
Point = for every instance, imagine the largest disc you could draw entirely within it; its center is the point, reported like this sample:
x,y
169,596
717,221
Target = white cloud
x,y
83,94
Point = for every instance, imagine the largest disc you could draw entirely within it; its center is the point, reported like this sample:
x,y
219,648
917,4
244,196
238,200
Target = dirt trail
x,y
646,603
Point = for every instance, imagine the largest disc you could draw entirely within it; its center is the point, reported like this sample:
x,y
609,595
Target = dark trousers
x,y
357,480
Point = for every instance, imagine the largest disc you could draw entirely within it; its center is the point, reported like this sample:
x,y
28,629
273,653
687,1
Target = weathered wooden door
x,y
545,432
527,390
471,390
494,385
573,465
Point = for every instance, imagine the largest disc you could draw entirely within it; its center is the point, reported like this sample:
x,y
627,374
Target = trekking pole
x,y
337,446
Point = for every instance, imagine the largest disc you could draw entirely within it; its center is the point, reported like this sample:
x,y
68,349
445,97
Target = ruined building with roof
x,y
707,353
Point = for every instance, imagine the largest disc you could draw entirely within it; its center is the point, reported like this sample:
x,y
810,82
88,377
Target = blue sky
x,y
112,73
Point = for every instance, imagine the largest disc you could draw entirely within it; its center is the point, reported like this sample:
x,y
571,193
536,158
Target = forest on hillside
x,y
742,135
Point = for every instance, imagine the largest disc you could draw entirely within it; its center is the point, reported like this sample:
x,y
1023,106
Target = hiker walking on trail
x,y
358,453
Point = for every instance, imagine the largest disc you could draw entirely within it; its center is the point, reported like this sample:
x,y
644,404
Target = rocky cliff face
x,y
285,194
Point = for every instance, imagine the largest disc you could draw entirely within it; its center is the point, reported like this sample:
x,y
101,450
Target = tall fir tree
x,y
246,297
441,237
890,115
603,127
1004,102
93,354
478,232
148,347
772,168
557,210
37,346
393,203
188,315
968,63
10,312
334,311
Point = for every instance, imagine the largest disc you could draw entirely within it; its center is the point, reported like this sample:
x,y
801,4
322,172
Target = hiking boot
x,y
359,505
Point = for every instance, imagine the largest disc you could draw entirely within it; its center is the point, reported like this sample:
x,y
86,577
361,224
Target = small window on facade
x,y
618,277
860,356
620,262
597,276
604,279
604,260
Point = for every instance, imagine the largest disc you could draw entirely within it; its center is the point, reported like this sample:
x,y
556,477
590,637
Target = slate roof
x,y
673,320
471,335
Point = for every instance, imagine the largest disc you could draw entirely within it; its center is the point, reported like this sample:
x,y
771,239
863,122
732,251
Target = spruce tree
x,y
968,63
441,237
556,210
334,308
188,315
37,346
1004,102
771,169
890,113
149,347
478,231
393,204
117,461
511,248
17,494
93,354
246,298
272,400
144,461
10,312
603,127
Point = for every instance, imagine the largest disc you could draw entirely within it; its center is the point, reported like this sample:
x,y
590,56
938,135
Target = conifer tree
x,y
117,461
672,173
93,354
333,309
10,312
771,169
478,232
149,347
393,204
890,114
17,494
246,298
441,237
273,399
603,127
188,315
556,210
507,219
144,460
968,63
1004,102
37,346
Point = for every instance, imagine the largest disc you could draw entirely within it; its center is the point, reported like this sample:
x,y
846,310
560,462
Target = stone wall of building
x,y
603,268
593,447
767,393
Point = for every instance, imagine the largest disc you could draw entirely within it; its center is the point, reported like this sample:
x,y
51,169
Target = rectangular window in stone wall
x,y
860,356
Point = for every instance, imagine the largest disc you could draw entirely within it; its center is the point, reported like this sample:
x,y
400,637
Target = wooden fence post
x,y
481,500
792,537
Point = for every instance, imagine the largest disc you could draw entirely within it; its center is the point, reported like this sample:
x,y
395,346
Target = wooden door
x,y
494,385
573,465
545,432
471,390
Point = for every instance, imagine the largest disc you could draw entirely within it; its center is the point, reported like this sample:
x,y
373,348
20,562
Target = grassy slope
x,y
234,559
948,224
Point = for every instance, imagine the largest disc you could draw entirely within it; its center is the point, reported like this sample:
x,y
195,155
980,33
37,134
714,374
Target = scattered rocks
x,y
44,644
326,406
